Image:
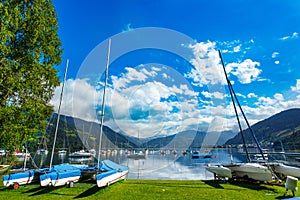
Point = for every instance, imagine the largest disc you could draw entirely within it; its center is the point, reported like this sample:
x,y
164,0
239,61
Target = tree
x,y
29,50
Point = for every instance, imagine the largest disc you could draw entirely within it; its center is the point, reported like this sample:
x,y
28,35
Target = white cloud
x,y
297,87
133,74
275,54
79,99
217,95
245,71
237,48
252,95
278,97
293,36
207,65
276,62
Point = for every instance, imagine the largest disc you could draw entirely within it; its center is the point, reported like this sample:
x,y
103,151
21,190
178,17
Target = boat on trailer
x,y
249,170
286,170
110,173
252,171
219,171
17,179
107,171
61,175
22,178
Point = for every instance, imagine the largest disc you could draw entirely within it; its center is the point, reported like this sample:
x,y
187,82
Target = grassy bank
x,y
150,189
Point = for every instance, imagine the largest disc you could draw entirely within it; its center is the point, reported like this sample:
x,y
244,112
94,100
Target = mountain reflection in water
x,y
159,166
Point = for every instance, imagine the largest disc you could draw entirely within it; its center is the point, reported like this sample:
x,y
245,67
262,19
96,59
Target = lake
x,y
158,166
163,166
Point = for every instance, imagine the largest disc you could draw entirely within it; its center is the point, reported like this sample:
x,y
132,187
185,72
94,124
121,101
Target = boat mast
x,y
244,116
235,110
103,102
251,130
58,113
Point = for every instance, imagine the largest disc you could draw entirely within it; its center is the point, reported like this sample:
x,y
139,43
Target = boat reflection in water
x,y
156,166
171,166
80,156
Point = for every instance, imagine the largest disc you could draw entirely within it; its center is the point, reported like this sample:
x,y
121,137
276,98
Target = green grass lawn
x,y
150,189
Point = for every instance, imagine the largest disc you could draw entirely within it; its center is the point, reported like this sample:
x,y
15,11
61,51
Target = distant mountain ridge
x,y
75,134
282,127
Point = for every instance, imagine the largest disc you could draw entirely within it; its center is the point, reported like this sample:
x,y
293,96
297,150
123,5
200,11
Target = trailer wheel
x,y
16,186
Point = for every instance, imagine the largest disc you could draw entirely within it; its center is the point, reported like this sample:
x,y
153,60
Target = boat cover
x,y
107,165
19,175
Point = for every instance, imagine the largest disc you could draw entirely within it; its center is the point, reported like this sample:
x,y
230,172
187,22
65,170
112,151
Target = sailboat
x,y
21,176
81,155
64,173
56,176
108,172
249,170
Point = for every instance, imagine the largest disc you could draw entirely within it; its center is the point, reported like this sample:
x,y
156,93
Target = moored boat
x,y
138,155
286,170
220,171
253,171
62,152
201,157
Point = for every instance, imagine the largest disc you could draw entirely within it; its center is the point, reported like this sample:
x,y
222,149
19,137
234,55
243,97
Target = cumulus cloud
x,y
207,65
217,95
79,99
152,100
246,71
297,87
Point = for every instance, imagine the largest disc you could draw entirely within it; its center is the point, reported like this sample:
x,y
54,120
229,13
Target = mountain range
x,y
281,129
75,134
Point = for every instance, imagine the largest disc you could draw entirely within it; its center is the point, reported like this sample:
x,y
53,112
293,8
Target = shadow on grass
x,y
214,184
170,184
44,190
5,188
287,196
33,190
252,186
89,192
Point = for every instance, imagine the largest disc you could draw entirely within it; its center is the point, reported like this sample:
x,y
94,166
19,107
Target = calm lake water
x,y
157,166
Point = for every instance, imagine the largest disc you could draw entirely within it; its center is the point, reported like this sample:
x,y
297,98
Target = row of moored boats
x,y
107,173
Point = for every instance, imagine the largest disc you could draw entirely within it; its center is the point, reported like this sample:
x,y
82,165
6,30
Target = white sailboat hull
x,y
64,181
287,170
220,171
106,181
253,171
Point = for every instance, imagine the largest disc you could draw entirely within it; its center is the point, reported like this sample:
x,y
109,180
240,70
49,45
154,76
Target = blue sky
x,y
168,78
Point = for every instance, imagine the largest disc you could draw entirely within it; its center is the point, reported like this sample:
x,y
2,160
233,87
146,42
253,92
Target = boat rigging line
x,y
103,102
58,113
